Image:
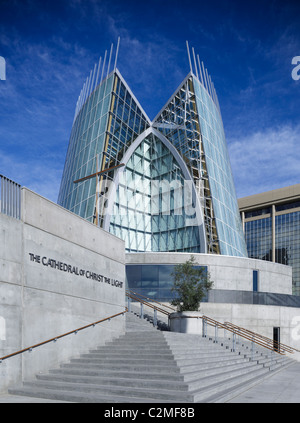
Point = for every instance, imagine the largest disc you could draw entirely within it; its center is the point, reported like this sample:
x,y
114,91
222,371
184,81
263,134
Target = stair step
x,y
117,381
148,365
83,397
95,389
217,369
124,373
136,355
216,389
136,361
171,367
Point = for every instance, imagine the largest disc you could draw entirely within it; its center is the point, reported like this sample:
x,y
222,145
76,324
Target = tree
x,y
191,284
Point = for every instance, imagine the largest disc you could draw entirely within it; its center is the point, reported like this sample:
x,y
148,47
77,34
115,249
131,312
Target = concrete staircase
x,y
147,365
214,373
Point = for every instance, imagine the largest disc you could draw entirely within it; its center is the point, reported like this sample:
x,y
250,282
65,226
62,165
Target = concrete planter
x,y
186,322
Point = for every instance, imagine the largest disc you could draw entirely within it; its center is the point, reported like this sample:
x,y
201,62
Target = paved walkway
x,y
8,399
283,387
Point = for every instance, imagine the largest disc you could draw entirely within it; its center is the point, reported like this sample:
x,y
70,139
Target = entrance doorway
x,y
276,339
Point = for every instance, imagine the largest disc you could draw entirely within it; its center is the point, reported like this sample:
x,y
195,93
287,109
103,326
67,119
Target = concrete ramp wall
x,y
58,272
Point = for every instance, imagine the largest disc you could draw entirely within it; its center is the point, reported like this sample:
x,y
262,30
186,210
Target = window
x,y
255,280
153,281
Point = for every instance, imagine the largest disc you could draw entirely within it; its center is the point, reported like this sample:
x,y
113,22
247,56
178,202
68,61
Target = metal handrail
x,y
133,297
61,336
277,344
246,334
250,336
136,296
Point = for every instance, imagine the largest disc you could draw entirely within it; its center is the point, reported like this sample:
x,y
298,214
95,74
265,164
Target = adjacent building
x,y
271,222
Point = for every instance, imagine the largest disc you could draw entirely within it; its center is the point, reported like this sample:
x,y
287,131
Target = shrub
x,y
191,284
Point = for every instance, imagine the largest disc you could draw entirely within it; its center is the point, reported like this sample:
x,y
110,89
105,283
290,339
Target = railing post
x,y
204,328
233,341
142,311
129,304
271,365
252,349
155,318
216,334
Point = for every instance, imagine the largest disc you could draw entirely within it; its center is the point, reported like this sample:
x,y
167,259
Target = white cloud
x,y
42,177
265,160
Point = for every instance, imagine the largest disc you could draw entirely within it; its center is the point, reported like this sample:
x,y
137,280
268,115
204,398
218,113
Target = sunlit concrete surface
x,y
283,387
8,399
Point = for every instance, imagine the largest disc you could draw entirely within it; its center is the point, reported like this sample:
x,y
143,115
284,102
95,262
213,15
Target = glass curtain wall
x,y
287,242
258,235
286,237
192,122
149,210
226,211
104,128
107,125
85,145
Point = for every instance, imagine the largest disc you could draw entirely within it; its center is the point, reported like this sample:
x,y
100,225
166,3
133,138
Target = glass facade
x,y
116,155
275,236
105,126
192,122
287,242
153,281
86,144
147,214
258,234
226,212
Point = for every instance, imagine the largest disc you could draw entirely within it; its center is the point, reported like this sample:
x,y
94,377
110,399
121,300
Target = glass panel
x,y
152,192
152,281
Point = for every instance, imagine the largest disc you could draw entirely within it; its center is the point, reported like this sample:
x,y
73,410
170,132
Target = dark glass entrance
x,y
276,339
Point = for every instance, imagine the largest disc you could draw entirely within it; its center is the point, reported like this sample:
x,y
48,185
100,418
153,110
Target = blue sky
x,y
247,46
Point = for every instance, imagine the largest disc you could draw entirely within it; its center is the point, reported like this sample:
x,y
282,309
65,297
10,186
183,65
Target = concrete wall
x,y
260,319
257,318
228,273
234,273
58,272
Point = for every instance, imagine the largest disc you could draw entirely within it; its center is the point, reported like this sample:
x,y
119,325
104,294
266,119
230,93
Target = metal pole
x,y
155,318
188,51
117,51
200,69
195,62
110,54
142,311
98,70
205,83
103,66
272,357
129,304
